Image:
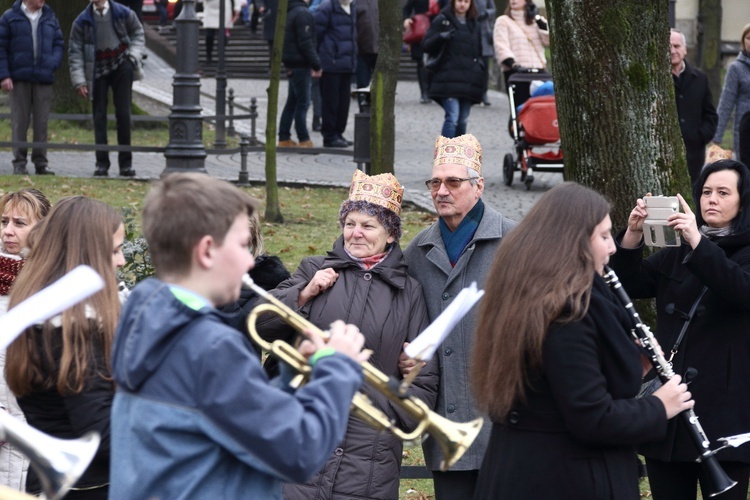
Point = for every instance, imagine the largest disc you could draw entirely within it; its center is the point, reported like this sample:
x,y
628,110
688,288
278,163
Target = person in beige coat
x,y
519,38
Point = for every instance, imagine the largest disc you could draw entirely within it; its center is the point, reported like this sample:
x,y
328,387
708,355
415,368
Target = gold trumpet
x,y
454,438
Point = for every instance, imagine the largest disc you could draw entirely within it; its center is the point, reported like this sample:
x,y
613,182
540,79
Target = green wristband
x,y
321,353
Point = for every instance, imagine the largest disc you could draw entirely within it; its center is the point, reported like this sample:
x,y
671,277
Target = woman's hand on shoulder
x,y
320,282
675,397
685,223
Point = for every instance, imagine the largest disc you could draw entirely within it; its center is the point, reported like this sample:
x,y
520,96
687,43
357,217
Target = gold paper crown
x,y
462,150
383,190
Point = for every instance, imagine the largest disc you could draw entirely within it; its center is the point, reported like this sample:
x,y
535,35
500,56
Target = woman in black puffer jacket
x,y
459,80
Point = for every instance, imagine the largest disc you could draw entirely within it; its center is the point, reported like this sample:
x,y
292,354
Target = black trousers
x,y
335,89
121,83
679,480
452,485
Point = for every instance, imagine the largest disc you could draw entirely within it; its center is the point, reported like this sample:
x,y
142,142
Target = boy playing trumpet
x,y
194,415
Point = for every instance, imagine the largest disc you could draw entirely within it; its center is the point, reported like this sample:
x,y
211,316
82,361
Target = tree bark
x,y
273,209
709,37
66,99
383,89
615,100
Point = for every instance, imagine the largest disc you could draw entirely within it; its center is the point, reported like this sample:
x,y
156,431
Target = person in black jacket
x,y
336,28
560,380
412,8
715,256
60,371
459,80
695,105
300,57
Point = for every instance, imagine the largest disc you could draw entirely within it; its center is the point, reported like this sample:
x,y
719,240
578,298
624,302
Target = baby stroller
x,y
534,128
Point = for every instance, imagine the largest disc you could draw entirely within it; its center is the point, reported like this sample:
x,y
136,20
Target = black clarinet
x,y
718,480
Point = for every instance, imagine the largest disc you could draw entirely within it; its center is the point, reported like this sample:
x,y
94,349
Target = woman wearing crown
x,y
363,281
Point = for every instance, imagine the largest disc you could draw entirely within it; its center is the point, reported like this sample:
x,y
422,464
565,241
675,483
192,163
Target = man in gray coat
x,y
445,258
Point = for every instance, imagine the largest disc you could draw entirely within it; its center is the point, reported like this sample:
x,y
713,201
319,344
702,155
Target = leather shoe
x,y
336,143
347,141
101,172
43,171
127,172
20,170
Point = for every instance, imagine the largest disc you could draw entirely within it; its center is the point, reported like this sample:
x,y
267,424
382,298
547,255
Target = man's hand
x,y
407,364
83,91
7,85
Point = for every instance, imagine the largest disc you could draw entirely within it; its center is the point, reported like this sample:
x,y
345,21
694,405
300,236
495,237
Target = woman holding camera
x,y
554,364
459,79
519,37
701,287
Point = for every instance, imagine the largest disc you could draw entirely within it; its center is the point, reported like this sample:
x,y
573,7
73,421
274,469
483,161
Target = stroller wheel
x,y
509,164
529,180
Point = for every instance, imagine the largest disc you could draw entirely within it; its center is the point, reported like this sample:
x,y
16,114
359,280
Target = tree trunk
x,y
65,99
273,209
709,44
383,89
615,100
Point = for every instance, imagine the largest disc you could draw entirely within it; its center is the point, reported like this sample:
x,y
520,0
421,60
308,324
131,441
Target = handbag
x,y
416,32
648,388
434,8
432,62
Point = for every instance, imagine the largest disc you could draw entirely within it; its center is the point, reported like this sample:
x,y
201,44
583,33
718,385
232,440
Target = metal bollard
x,y
230,102
243,180
253,117
362,130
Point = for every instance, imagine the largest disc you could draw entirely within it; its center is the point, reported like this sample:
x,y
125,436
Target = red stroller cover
x,y
538,118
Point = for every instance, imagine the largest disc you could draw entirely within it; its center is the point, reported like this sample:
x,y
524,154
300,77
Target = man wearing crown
x,y
444,258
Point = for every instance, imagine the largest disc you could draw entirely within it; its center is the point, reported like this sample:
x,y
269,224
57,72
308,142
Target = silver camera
x,y
656,232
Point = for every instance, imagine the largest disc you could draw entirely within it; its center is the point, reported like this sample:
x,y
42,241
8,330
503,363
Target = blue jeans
x,y
456,116
297,104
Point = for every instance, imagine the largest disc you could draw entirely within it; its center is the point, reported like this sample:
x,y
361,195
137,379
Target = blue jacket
x,y
337,37
195,416
82,44
17,59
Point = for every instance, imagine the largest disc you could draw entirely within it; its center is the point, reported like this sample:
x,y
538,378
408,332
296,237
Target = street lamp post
x,y
220,140
185,151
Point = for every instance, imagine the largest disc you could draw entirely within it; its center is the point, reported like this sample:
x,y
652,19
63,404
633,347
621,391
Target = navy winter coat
x,y
300,45
17,47
337,37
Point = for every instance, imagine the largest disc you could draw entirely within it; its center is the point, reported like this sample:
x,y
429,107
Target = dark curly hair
x,y
386,217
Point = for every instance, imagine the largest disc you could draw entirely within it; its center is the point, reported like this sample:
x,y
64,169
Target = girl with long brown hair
x,y
554,363
60,370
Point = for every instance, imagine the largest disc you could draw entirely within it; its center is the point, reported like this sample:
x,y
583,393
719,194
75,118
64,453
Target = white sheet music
x,y
425,345
72,288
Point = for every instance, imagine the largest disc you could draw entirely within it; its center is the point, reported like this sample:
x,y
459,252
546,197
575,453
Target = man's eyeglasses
x,y
451,183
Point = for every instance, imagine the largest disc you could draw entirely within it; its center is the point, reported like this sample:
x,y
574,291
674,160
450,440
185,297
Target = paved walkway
x,y
417,126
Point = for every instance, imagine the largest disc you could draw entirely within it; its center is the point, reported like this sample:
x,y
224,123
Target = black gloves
x,y
446,35
542,23
509,62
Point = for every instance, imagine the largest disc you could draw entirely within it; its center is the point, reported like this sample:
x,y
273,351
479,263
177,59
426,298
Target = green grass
x,y
310,214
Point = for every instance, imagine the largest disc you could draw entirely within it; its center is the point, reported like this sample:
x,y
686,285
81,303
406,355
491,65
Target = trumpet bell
x,y
58,462
454,438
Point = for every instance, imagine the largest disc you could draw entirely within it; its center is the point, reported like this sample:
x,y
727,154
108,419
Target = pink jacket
x,y
511,39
